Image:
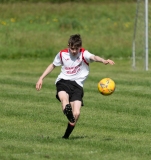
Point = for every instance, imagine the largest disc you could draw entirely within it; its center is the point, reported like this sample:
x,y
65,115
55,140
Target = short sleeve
x,y
57,60
87,56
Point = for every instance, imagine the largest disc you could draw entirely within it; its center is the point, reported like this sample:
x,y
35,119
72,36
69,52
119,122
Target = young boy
x,y
74,62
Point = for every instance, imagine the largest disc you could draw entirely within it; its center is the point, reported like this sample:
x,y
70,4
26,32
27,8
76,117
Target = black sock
x,y
69,114
68,131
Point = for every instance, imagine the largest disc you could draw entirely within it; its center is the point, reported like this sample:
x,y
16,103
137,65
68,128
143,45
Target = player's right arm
x,y
48,70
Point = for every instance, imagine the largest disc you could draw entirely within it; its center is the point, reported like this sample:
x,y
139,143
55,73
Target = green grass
x,y
115,127
110,127
42,29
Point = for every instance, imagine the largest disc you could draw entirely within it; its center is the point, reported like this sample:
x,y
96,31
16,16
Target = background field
x,y
42,29
31,123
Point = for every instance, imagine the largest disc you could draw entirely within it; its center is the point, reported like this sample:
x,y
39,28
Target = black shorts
x,y
74,90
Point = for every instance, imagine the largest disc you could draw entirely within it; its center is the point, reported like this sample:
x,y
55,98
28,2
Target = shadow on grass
x,y
90,137
78,137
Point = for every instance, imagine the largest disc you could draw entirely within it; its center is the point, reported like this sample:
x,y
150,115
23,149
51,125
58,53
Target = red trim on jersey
x,y
66,50
82,50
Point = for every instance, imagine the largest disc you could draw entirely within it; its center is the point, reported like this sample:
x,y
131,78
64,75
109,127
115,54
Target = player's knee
x,y
76,115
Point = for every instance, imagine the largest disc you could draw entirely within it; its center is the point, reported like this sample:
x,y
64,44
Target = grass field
x,y
36,30
110,127
115,127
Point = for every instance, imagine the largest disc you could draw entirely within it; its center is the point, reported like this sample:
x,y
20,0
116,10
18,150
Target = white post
x,y
146,35
133,54
134,36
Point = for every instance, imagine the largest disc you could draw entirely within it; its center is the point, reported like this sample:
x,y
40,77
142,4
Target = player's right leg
x,y
66,107
76,106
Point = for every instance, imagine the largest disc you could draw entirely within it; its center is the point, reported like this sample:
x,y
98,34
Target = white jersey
x,y
73,68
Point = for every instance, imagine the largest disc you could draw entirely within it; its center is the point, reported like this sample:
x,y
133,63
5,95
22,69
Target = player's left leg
x,y
76,106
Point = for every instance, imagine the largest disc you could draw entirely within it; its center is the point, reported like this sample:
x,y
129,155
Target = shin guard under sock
x,y
68,131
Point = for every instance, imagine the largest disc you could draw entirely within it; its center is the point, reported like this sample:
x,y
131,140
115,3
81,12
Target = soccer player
x,y
74,62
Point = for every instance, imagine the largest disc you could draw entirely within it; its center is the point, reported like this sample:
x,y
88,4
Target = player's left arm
x,y
99,59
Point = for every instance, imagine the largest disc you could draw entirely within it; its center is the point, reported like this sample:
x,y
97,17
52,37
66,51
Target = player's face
x,y
74,50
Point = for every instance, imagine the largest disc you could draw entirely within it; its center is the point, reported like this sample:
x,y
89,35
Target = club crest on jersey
x,y
78,58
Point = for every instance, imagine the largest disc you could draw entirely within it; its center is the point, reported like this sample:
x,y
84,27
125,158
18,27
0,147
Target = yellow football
x,y
106,86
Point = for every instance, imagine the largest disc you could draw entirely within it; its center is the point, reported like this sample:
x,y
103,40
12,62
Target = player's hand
x,y
39,84
108,61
